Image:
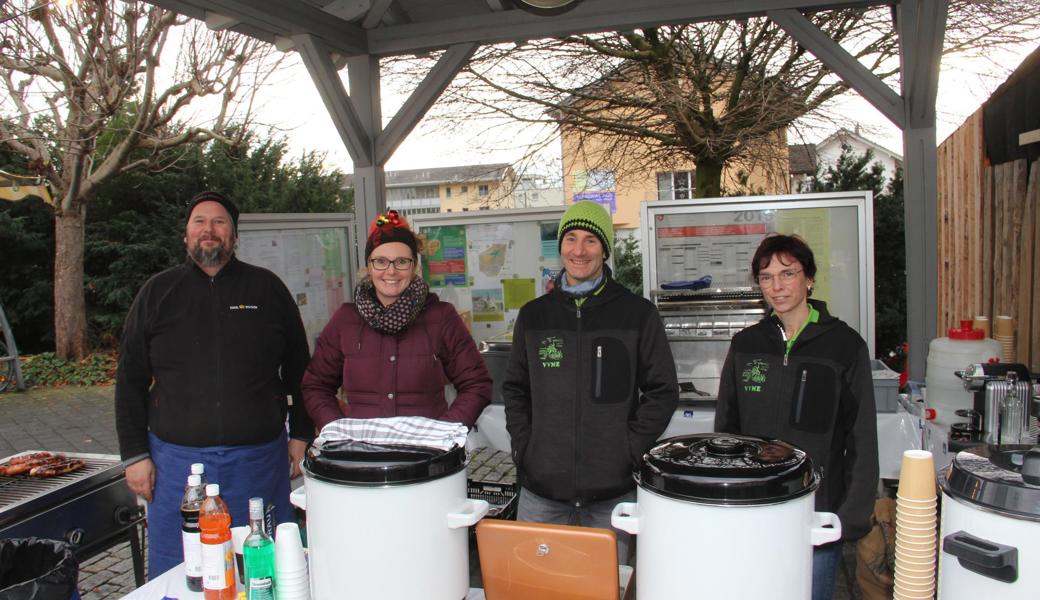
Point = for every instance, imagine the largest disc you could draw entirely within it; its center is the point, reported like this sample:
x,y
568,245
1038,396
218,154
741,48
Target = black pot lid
x,y
353,462
1004,479
718,468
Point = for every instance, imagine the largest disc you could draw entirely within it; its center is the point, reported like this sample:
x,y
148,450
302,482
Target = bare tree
x,y
714,94
103,87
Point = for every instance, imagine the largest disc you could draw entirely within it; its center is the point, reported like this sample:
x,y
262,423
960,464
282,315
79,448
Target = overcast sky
x,y
964,85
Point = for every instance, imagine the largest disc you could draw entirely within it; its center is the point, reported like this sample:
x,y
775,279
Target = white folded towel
x,y
407,431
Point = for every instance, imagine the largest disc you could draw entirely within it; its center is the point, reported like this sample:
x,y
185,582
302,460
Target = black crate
x,y
502,497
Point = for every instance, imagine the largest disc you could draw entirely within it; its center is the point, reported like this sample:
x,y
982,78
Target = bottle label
x,y
192,553
216,564
261,588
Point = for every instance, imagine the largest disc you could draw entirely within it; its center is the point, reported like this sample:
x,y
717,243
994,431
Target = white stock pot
x,y
991,524
387,521
725,516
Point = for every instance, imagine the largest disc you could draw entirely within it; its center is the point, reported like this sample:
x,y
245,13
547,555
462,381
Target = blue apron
x,y
242,472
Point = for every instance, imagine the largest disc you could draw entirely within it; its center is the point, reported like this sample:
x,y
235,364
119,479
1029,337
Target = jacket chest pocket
x,y
610,371
814,399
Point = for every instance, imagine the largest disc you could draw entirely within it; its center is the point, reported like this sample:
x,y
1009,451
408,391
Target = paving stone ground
x,y
81,419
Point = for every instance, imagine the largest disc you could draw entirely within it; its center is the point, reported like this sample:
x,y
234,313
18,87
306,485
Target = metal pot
x,y
727,516
387,521
991,524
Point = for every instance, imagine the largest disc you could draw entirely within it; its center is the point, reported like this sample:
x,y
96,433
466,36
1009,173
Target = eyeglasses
x,y
381,264
783,277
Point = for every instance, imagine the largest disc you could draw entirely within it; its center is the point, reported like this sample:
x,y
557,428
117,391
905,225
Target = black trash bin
x,y
37,569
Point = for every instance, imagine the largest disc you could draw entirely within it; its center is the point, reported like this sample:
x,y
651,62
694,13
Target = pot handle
x,y
471,512
625,517
298,498
826,528
985,557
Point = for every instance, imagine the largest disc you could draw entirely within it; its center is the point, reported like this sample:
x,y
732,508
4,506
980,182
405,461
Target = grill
x,y
92,509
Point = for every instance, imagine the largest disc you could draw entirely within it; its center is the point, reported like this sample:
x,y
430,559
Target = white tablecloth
x,y
172,585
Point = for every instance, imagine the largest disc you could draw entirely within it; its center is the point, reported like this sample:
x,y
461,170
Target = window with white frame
x,y
482,190
675,185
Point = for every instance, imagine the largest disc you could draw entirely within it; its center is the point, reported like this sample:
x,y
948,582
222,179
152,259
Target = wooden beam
x,y
841,62
1029,137
278,18
922,27
587,17
424,96
318,60
375,14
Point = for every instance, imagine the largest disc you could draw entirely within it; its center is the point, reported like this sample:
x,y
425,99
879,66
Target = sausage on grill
x,y
61,468
11,470
28,457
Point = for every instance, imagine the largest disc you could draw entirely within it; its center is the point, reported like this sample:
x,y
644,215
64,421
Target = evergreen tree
x,y
135,228
855,172
628,264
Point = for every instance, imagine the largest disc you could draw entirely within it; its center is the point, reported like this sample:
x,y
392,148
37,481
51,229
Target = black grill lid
x,y
354,462
717,468
1004,479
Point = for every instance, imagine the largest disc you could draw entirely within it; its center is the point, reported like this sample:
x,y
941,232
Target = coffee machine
x,y
1003,411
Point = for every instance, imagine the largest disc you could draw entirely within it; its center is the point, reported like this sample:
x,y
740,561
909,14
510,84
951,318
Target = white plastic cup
x,y
288,549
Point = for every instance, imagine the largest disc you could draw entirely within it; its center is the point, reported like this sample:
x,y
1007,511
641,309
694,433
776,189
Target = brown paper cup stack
x,y
981,322
916,541
1004,332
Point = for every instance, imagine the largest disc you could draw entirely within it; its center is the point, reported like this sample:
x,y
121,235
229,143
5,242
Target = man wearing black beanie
x,y
210,350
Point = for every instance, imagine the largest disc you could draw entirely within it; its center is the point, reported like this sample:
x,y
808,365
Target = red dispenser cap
x,y
965,332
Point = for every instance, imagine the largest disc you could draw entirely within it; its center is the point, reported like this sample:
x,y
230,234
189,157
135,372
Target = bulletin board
x,y
489,264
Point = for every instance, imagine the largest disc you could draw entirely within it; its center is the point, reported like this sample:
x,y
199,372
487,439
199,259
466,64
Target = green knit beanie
x,y
591,217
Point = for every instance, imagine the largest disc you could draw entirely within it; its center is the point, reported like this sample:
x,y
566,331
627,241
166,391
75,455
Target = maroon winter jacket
x,y
396,375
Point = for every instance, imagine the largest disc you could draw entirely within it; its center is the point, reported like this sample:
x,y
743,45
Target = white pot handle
x,y
820,533
625,517
298,498
471,512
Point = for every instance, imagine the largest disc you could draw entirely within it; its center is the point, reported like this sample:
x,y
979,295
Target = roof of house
x,y
843,135
801,159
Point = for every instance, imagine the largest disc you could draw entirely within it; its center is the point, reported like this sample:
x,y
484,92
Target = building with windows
x,y
449,189
537,190
622,188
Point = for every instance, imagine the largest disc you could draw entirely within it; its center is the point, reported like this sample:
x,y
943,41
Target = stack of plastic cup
x,y
290,564
916,540
1004,332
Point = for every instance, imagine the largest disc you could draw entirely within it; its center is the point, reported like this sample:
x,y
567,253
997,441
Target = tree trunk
x,y
70,308
708,178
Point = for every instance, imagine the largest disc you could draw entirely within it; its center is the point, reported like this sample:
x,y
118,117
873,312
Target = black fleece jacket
x,y
819,397
208,361
587,391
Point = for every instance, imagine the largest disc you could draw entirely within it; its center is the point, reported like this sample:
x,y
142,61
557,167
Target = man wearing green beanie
x,y
590,384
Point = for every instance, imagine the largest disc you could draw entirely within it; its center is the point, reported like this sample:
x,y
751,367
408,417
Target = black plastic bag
x,y
37,569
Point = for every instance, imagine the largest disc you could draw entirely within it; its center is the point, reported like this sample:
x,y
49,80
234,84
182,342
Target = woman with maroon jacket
x,y
395,347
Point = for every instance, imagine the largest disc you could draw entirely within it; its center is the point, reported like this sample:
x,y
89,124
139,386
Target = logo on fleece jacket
x,y
550,352
754,375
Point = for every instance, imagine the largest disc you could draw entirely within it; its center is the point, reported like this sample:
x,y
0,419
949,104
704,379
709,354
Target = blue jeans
x,y
826,559
536,509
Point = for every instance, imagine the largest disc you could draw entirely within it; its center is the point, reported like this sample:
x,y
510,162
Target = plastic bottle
x,y
191,504
258,555
200,470
961,347
218,561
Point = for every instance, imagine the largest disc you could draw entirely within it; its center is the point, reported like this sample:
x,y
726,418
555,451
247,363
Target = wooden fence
x,y
989,239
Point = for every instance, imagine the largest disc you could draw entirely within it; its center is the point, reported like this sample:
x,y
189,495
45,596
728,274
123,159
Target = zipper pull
x,y
578,311
599,351
785,359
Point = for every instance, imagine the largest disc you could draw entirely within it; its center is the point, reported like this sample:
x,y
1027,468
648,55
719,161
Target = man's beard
x,y
215,257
